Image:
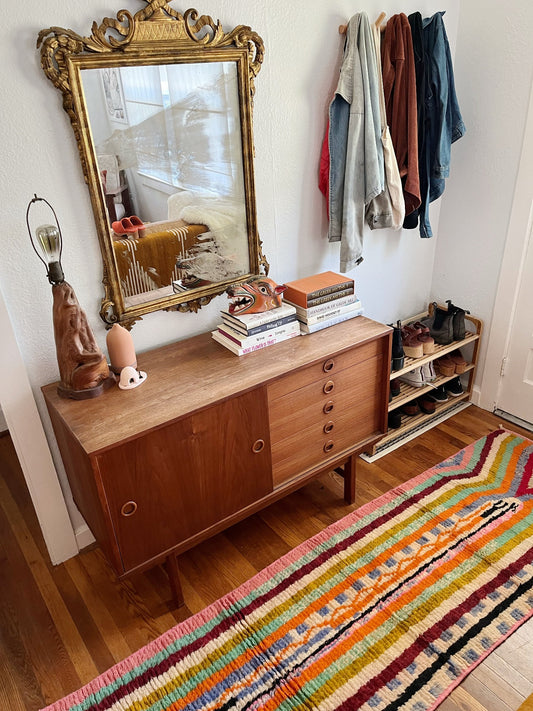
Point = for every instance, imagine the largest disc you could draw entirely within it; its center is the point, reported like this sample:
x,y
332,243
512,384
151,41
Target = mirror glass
x,y
167,140
161,107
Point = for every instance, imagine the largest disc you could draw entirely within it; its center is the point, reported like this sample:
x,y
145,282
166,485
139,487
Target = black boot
x,y
398,357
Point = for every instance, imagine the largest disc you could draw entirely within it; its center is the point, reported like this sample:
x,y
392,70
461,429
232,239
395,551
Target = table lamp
x,y
83,369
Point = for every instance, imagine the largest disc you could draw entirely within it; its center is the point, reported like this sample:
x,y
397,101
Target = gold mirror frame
x,y
157,34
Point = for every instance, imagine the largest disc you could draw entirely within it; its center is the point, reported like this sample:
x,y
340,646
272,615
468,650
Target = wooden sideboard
x,y
210,437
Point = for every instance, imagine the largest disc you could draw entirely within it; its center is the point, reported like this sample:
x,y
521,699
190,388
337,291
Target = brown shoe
x,y
426,405
445,365
410,408
459,362
424,336
412,347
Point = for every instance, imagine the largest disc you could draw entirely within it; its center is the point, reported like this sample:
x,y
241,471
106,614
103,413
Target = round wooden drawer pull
x,y
328,387
328,365
328,427
129,508
258,446
328,407
329,445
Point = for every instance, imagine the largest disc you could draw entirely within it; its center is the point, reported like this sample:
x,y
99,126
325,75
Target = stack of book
x,y
250,332
322,300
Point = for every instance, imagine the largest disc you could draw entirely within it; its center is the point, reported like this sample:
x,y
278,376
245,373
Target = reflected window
x,y
178,124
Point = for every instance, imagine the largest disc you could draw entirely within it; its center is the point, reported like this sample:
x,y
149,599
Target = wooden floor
x,y
60,626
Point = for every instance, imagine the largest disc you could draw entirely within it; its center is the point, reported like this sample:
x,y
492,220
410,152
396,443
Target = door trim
x,y
511,273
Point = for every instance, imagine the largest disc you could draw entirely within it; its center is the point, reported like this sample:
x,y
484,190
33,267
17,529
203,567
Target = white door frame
x,y
511,271
26,430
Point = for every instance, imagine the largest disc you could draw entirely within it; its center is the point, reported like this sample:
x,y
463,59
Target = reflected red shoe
x,y
124,226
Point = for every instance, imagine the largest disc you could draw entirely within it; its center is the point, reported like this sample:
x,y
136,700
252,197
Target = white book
x,y
252,320
304,328
326,307
271,336
325,316
234,348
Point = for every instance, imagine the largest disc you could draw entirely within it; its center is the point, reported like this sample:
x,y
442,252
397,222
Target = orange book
x,y
302,291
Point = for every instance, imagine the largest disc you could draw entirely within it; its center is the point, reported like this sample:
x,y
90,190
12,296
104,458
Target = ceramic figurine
x,y
131,378
258,295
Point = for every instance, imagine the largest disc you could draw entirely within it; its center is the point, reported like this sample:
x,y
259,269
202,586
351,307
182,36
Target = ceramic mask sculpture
x,y
258,295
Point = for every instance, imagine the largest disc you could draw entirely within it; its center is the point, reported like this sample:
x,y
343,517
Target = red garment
x,y
399,86
323,171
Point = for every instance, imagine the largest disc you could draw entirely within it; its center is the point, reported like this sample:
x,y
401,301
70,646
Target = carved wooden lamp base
x,y
88,393
82,366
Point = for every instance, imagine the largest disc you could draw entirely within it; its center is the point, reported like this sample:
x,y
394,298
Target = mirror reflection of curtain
x,y
183,127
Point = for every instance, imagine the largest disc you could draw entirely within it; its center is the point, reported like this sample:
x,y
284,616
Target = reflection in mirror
x,y
161,107
168,147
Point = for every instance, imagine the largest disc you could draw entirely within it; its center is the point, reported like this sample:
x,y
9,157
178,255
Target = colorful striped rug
x,y
386,610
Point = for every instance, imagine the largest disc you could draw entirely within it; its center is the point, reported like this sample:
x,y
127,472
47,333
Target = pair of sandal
x,y
127,225
416,340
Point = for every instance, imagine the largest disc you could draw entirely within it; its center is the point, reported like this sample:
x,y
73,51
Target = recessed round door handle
x,y
329,446
328,387
328,427
328,407
129,508
328,365
258,446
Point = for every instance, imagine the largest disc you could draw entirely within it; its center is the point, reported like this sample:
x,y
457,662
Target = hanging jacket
x,y
356,171
444,124
388,208
399,86
415,22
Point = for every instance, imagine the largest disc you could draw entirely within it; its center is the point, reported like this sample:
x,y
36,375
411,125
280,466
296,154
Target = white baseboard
x,y
84,537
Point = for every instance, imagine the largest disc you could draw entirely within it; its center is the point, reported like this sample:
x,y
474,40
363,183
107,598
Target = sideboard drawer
x,y
319,401
308,426
324,369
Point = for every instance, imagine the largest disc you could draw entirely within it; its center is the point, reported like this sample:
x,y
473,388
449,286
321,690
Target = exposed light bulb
x,y
49,241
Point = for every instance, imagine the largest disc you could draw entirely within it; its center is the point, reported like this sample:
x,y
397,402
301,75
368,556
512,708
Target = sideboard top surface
x,y
189,375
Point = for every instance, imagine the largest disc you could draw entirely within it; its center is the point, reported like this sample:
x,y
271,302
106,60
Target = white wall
x,y
494,72
303,50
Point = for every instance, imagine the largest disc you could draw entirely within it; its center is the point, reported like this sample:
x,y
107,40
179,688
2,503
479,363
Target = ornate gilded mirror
x,y
161,107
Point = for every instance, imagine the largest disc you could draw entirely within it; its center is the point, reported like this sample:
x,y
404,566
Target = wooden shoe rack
x,y
412,426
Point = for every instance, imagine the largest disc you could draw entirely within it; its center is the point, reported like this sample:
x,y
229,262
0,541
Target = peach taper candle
x,y
120,348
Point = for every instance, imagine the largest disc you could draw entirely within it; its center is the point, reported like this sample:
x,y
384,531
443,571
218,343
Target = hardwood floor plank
x,y
122,602
499,682
40,639
41,576
257,542
82,618
15,664
491,700
504,674
461,700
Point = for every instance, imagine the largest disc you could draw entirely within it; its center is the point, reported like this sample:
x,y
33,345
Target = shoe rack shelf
x,y
412,426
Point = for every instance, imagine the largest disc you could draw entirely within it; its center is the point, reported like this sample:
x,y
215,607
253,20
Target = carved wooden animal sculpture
x,y
259,294
83,368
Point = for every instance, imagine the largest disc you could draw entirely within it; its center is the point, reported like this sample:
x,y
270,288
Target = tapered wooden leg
x,y
173,572
349,480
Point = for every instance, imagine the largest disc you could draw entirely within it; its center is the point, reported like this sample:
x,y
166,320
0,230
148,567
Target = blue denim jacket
x,y
444,123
